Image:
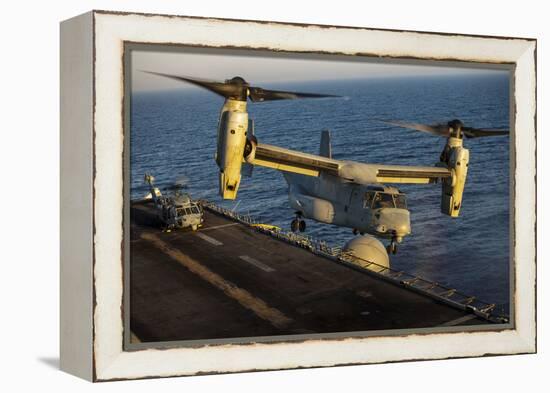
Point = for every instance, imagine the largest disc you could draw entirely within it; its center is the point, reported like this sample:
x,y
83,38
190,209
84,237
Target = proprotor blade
x,y
470,132
225,89
239,89
445,129
257,94
436,129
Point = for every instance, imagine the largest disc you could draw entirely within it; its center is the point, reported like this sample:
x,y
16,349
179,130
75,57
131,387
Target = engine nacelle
x,y
231,144
457,159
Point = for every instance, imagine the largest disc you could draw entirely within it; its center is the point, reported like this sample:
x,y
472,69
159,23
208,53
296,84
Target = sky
x,y
264,67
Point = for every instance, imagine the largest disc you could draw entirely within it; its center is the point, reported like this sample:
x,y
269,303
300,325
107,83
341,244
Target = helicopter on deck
x,y
339,192
175,211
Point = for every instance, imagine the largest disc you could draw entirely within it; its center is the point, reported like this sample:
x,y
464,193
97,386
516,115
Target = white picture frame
x,y
92,194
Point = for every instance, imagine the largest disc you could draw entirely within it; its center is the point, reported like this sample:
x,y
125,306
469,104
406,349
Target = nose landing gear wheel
x,y
392,247
298,224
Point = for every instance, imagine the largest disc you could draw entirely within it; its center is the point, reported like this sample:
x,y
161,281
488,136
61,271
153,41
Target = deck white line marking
x,y
459,320
209,239
246,299
257,263
219,226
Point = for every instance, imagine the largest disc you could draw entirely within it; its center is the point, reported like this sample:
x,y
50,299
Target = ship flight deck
x,y
231,279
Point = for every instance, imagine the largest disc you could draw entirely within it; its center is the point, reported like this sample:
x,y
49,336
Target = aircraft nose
x,y
396,221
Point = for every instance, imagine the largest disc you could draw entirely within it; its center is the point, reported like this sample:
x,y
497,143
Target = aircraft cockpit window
x,y
369,197
195,210
400,201
382,200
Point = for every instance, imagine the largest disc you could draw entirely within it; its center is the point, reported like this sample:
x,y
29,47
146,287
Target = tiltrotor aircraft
x,y
339,192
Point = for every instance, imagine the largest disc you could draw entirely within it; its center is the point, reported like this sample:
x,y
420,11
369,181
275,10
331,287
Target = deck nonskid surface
x,y
228,280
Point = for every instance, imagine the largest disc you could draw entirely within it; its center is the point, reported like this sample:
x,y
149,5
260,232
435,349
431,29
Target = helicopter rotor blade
x,y
175,187
180,183
470,132
257,94
436,129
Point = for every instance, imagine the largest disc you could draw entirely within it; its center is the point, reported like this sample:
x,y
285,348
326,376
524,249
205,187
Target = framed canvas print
x,y
248,195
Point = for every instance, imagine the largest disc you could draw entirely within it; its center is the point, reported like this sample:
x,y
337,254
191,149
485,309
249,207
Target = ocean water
x,y
173,135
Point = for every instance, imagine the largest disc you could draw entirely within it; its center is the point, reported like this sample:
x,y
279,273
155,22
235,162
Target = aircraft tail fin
x,y
326,149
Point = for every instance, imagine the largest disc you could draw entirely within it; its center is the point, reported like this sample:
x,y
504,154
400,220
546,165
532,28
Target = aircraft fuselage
x,y
374,209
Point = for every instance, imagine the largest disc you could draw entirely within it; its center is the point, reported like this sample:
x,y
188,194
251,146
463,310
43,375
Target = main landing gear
x,y
298,224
